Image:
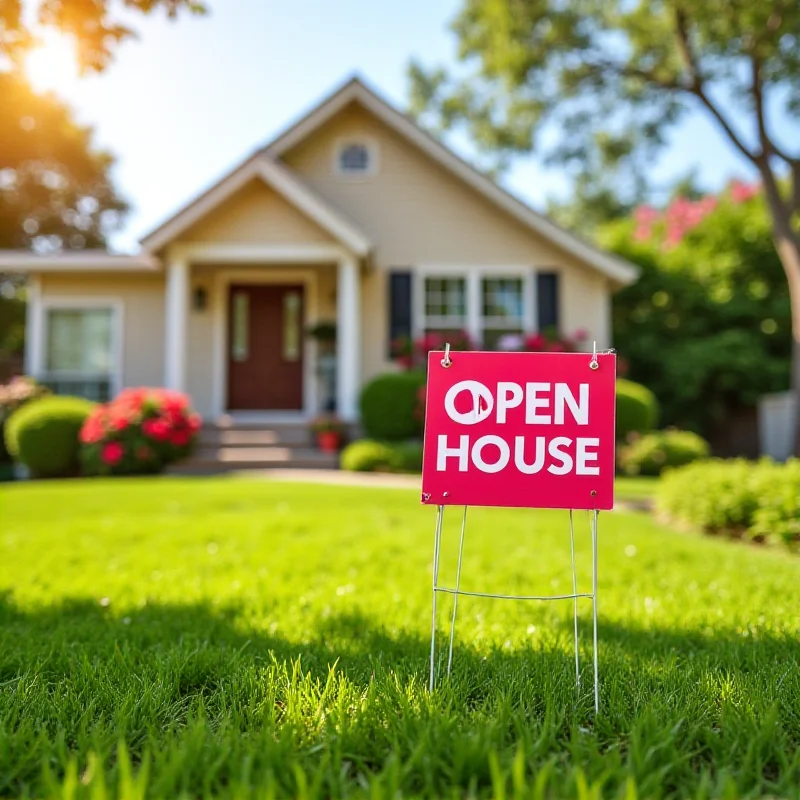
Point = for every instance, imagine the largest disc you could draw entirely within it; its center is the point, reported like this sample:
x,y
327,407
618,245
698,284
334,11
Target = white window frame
x,y
40,317
372,157
473,277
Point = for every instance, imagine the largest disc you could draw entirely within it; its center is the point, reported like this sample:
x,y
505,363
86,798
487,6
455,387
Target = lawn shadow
x,y
195,683
55,638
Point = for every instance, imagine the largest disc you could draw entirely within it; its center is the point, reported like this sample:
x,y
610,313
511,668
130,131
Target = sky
x,y
190,98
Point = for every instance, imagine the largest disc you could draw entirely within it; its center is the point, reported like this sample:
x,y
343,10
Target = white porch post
x,y
175,321
348,338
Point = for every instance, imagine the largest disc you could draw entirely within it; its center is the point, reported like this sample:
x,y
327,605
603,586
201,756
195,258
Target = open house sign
x,y
529,430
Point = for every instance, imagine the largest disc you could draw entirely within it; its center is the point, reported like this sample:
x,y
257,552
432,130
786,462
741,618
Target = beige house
x,y
353,216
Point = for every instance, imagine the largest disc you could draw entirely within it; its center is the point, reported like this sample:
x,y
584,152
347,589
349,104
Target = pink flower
x,y
741,192
581,335
91,432
535,342
112,453
119,423
181,437
157,429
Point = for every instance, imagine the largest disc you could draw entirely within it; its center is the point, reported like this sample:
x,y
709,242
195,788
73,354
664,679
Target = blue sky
x,y
189,99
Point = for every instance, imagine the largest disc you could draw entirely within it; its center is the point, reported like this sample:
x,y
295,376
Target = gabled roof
x,y
262,167
355,90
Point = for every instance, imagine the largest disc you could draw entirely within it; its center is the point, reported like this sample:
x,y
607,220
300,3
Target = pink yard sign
x,y
532,430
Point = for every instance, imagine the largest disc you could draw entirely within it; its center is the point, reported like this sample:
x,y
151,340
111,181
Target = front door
x,y
265,347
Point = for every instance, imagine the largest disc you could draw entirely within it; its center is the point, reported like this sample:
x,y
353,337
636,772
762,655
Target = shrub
x,y
368,455
653,452
760,500
14,395
140,432
43,435
637,409
389,406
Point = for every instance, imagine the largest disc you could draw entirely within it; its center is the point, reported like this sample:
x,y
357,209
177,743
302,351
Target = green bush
x,y
637,409
391,408
43,435
759,500
13,395
653,452
368,455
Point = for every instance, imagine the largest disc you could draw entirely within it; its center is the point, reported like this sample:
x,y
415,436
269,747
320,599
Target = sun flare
x,y
53,63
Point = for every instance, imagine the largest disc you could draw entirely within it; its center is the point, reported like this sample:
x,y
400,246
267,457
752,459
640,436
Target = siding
x,y
417,212
143,317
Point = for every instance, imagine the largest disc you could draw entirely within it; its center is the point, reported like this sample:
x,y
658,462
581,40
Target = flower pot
x,y
329,441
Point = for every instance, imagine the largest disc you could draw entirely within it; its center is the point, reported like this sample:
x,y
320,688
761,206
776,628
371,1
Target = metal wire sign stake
x,y
519,430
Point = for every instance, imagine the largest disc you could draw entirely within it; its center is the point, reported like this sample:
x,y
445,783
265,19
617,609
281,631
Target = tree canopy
x,y
94,25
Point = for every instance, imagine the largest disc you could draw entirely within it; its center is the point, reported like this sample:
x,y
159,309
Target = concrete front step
x,y
237,445
288,436
226,459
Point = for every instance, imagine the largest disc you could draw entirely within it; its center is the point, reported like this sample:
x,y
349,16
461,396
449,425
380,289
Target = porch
x,y
236,330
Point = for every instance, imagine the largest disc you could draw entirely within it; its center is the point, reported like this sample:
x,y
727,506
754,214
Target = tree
x,y
90,23
611,77
710,315
55,186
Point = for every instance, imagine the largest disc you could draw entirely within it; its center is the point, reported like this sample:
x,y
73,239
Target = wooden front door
x,y
265,347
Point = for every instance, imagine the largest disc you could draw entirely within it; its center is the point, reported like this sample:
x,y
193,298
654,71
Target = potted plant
x,y
329,431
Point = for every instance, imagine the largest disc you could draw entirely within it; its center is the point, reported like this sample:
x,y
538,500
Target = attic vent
x,y
355,158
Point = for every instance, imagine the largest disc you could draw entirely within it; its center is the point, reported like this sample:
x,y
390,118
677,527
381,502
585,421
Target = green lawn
x,y
229,637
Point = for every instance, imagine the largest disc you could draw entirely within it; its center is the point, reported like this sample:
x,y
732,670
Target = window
x,y
502,311
79,355
240,344
355,158
489,305
445,304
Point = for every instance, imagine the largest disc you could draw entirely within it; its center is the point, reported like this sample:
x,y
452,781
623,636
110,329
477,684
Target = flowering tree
x,y
141,431
708,325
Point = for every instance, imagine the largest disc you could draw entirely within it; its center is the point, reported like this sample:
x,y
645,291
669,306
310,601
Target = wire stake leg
x,y
594,611
575,601
437,539
458,586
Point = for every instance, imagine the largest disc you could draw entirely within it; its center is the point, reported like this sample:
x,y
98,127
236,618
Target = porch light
x,y
199,298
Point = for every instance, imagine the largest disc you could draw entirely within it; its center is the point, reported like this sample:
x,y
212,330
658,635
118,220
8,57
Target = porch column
x,y
348,338
175,320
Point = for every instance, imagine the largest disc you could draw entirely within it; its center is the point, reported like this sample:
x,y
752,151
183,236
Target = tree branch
x,y
697,83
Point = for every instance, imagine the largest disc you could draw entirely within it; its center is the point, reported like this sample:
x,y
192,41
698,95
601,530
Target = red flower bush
x,y
140,432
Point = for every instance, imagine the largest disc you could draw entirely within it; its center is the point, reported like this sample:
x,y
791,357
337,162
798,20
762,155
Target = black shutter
x,y
547,300
399,305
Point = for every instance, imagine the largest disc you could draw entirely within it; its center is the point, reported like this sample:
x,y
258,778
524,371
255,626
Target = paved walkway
x,y
377,480
337,477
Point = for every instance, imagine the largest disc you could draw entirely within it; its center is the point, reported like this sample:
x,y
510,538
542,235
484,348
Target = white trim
x,y
373,157
233,253
79,303
33,325
473,276
219,361
355,90
280,179
348,338
176,323
76,261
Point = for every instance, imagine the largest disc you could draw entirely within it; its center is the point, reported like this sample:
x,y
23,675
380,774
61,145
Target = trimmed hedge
x,y
368,455
390,406
43,435
637,409
654,452
759,500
